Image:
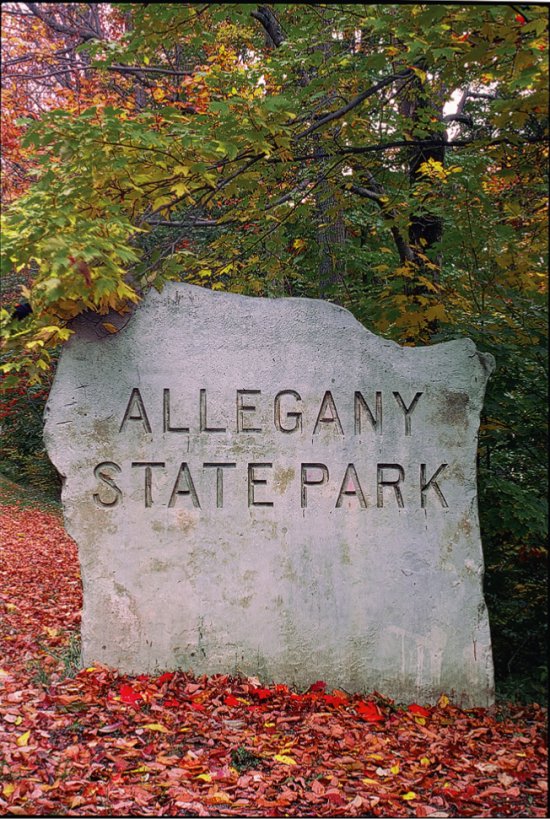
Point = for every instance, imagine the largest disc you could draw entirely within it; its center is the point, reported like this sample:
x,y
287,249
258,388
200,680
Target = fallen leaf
x,y
284,759
23,739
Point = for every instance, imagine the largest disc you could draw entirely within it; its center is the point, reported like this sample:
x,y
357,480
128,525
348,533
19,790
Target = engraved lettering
x,y
203,416
361,405
306,481
188,488
136,399
408,411
328,404
431,484
296,415
254,481
148,465
381,482
106,479
351,478
219,480
242,408
166,414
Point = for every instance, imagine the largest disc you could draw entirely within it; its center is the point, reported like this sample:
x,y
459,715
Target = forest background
x,y
390,158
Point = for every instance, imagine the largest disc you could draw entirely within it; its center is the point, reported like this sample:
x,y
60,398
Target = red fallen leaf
x,y
171,703
334,796
417,709
197,706
338,702
166,677
369,711
229,700
262,693
318,687
128,695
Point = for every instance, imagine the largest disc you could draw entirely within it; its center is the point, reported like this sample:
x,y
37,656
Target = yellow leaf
x,y
443,701
286,760
23,739
420,720
395,769
369,782
375,756
419,73
11,607
18,720
4,673
90,669
206,777
435,313
180,189
110,327
424,761
408,796
8,788
156,726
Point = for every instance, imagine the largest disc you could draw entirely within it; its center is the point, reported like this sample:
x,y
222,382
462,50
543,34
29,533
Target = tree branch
x,y
325,118
403,248
269,21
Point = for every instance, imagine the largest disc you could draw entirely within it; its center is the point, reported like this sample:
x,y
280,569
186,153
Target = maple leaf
x,y
369,711
128,695
419,710
318,687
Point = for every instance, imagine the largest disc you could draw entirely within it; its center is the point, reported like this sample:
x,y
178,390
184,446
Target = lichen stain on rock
x,y
186,521
102,429
465,524
158,566
453,410
282,478
345,558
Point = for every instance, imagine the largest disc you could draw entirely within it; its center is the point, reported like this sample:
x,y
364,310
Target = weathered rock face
x,y
264,486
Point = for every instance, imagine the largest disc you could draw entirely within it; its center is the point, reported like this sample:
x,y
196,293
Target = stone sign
x,y
264,486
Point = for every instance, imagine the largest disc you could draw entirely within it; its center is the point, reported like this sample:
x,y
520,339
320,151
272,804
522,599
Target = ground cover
x,y
95,742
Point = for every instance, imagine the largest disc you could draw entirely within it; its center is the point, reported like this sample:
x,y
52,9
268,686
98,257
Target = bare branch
x,y
403,248
404,75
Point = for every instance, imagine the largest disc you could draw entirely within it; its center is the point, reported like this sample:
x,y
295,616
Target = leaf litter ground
x,y
95,742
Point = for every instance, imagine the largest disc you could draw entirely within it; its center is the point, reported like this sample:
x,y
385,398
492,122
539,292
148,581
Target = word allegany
x,y
286,408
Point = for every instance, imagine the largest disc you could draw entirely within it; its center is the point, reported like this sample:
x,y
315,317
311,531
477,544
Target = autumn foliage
x,y
94,742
